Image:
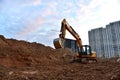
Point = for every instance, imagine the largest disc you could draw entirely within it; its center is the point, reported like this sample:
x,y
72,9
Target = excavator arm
x,y
59,42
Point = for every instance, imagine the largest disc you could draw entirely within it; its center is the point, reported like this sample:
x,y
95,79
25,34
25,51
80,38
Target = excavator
x,y
84,51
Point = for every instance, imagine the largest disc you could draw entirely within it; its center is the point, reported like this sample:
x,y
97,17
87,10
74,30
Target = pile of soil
x,y
21,60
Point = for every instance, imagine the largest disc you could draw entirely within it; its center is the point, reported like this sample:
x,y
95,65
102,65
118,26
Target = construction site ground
x,y
21,60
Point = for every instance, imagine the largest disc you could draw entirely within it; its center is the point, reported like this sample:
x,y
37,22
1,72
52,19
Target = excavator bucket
x,y
57,43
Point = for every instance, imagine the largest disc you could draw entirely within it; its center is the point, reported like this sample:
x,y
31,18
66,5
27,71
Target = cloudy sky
x,y
40,20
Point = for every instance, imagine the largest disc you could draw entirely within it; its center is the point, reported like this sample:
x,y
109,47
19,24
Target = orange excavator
x,y
84,52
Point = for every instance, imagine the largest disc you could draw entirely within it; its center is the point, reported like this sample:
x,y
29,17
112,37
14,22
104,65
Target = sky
x,y
40,20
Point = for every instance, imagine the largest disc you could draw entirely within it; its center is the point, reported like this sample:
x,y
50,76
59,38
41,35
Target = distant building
x,y
106,41
72,44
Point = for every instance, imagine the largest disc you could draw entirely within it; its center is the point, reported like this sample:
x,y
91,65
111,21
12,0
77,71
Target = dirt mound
x,y
21,60
3,41
21,53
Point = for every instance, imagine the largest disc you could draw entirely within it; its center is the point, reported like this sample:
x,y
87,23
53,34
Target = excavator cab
x,y
87,53
86,50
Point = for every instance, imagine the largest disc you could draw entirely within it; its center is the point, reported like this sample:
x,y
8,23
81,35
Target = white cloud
x,y
50,9
110,10
31,26
37,2
82,15
28,2
91,15
100,9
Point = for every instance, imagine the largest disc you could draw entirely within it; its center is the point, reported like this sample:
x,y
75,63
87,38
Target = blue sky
x,y
40,20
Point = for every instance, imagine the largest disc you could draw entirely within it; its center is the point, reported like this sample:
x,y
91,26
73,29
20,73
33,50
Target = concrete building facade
x,y
72,44
106,41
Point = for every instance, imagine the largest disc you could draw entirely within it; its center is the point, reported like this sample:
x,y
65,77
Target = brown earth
x,y
21,60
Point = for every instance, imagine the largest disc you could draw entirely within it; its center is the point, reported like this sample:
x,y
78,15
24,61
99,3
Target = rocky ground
x,y
21,60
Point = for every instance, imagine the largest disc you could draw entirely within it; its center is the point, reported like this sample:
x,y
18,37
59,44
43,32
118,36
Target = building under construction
x,y
106,41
